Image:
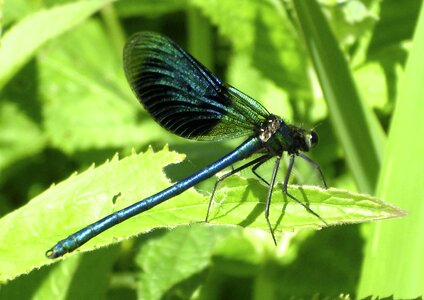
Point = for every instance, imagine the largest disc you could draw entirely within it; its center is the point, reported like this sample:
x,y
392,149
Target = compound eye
x,y
313,139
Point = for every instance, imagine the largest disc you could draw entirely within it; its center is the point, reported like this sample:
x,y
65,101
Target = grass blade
x,y
64,17
355,125
394,260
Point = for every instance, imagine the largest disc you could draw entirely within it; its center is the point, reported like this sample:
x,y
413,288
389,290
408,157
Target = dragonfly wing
x,y
183,96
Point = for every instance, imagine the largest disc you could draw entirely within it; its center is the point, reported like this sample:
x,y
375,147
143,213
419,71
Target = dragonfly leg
x,y
256,174
316,166
257,161
286,181
268,199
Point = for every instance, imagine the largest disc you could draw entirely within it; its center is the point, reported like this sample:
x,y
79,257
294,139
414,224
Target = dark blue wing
x,y
183,96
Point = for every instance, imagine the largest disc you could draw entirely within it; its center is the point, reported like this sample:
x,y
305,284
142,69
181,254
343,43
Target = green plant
x,y
65,105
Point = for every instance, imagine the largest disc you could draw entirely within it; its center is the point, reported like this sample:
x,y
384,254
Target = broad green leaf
x,y
28,232
21,41
252,82
89,104
237,204
276,51
93,270
350,20
176,263
262,30
82,199
389,46
17,9
19,136
50,282
235,19
354,123
395,25
71,279
394,261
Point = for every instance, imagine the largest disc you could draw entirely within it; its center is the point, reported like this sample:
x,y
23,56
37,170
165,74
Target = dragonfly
x,y
185,98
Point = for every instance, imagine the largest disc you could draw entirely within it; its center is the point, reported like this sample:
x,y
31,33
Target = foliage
x,y
65,105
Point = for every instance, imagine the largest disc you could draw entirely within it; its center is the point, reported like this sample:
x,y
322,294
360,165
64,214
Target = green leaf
x,y
89,104
276,51
236,204
27,36
28,232
18,9
351,20
251,81
77,276
176,262
94,269
262,29
393,264
354,123
82,199
47,283
19,136
236,24
395,25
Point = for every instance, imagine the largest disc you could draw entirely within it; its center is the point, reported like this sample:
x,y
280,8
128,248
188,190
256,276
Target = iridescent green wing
x,y
183,96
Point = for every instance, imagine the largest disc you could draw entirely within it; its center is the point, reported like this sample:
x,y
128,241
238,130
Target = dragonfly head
x,y
310,140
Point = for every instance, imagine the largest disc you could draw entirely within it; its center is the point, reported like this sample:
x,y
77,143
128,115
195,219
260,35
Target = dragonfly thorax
x,y
269,127
279,136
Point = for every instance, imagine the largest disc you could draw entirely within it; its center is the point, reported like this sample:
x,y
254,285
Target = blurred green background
x,y
354,69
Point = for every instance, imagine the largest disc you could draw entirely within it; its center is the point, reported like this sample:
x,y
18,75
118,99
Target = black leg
x,y
286,181
258,161
268,199
256,174
316,166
